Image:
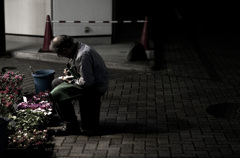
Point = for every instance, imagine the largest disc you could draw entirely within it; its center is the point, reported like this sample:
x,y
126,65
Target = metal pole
x,y
2,30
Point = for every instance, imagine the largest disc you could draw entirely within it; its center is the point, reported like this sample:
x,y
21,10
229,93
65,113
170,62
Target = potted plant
x,y
35,101
29,126
10,89
31,116
25,143
26,120
11,82
28,139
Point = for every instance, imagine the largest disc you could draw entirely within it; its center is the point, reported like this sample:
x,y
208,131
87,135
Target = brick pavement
x,y
162,113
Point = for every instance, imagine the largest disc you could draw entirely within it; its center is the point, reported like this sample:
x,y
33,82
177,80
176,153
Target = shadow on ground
x,y
46,152
228,111
175,125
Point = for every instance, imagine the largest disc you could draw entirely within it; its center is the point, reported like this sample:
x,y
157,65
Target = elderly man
x,y
86,79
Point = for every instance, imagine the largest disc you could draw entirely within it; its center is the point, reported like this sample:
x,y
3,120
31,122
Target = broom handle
x,y
31,69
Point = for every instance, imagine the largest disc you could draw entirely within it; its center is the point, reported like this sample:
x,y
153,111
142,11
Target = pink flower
x,y
15,92
6,76
11,96
20,78
38,143
10,73
8,104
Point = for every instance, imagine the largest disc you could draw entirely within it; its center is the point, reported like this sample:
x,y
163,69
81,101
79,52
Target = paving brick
x,y
63,152
161,113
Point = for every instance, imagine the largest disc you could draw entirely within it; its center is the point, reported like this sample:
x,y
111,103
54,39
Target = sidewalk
x,y
114,55
188,109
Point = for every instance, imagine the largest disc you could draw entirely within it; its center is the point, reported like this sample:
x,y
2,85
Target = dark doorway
x,y
128,10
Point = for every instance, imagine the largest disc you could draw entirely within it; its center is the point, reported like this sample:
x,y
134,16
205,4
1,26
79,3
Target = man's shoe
x,y
68,129
87,132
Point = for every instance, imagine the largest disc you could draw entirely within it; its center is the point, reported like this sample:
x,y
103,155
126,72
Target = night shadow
x,y
174,125
47,152
206,62
116,128
229,111
5,69
116,73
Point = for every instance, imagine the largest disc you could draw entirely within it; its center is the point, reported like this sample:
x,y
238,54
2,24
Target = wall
x,y
82,10
26,17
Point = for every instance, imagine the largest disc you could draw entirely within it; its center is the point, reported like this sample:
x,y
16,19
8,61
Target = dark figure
x,y
86,79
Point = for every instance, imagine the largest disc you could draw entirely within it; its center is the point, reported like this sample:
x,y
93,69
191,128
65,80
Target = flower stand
x,y
3,134
23,120
40,152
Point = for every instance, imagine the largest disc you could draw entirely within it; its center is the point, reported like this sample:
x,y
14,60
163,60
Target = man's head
x,y
62,45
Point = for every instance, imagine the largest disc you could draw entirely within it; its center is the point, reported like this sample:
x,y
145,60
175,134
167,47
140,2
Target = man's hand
x,y
67,79
66,72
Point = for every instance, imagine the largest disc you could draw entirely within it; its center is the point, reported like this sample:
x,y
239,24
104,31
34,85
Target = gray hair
x,y
60,42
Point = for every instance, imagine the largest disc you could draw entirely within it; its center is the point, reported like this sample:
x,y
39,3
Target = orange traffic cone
x,y
48,36
144,37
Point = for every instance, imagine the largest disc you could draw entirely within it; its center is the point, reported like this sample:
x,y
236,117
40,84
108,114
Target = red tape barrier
x,y
124,21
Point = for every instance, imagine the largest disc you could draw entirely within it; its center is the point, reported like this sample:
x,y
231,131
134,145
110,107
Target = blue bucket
x,y
43,80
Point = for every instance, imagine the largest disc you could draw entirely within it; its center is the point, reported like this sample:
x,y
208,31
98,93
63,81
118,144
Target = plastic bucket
x,y
3,134
43,80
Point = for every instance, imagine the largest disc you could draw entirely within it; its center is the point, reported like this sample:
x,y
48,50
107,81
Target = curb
x,y
51,57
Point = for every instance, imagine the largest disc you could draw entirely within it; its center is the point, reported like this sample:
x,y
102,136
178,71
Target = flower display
x,y
41,96
32,105
11,82
29,126
10,89
37,101
28,139
32,115
28,119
